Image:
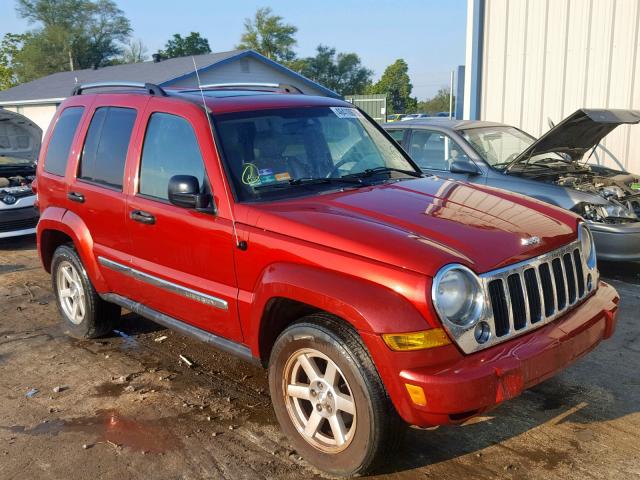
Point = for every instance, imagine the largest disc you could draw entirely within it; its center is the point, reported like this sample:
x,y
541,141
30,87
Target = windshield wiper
x,y
312,181
369,172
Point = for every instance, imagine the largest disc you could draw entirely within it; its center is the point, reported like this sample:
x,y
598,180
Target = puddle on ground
x,y
11,267
110,389
111,426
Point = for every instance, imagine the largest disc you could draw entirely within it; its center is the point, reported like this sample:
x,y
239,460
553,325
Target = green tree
x,y
438,103
343,72
395,83
69,35
179,46
9,46
267,34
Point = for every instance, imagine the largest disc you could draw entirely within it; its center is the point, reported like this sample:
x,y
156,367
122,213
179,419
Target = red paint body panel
x,y
367,256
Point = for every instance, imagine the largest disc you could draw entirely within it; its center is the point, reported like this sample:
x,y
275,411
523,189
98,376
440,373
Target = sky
x,y
428,34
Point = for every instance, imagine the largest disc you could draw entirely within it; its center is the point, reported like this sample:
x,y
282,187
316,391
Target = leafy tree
x,y
395,83
269,35
438,103
69,35
193,44
343,73
9,46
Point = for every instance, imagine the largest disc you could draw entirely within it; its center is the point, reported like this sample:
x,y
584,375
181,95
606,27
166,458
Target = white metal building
x,y
533,60
38,100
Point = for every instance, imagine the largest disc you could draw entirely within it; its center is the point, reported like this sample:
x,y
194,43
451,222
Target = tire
x,y
365,436
92,317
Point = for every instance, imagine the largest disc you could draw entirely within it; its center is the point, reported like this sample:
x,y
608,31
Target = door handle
x,y
75,197
142,217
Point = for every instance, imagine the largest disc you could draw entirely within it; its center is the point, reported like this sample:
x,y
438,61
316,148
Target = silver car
x,y
555,168
20,140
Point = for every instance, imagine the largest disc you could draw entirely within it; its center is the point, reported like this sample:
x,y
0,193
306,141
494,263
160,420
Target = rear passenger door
x,y
95,191
182,258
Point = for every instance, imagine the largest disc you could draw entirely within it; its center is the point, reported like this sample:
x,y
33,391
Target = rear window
x,y
60,144
106,145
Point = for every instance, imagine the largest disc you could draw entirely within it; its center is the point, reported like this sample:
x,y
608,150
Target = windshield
x,y
498,145
288,151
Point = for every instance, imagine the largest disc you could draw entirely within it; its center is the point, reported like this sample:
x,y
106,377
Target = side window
x,y
105,148
170,148
60,144
397,135
434,150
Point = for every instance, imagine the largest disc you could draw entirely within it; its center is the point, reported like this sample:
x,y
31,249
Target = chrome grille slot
x,y
558,277
500,307
570,277
518,307
577,260
546,281
533,295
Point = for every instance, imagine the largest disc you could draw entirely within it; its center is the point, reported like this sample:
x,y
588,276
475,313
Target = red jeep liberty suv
x,y
292,231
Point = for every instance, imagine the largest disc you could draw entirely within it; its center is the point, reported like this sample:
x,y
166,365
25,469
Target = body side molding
x,y
164,284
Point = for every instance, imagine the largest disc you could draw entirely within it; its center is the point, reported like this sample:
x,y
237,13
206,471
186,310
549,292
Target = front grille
x,y
535,292
18,219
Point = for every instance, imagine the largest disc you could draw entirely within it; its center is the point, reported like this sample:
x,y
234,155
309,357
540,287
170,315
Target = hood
x,y
579,133
20,140
423,224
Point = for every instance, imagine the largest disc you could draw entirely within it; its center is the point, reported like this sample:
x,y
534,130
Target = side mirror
x,y
464,166
184,191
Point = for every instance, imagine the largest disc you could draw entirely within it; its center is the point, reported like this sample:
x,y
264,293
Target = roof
x,y
58,86
239,101
450,124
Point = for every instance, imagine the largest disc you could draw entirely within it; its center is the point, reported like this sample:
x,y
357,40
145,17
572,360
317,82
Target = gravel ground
x,y
126,406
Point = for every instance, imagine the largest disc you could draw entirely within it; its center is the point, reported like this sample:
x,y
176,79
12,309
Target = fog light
x,y
417,394
402,342
482,332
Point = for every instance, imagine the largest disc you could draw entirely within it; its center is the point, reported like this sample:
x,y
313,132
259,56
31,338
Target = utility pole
x,y
451,95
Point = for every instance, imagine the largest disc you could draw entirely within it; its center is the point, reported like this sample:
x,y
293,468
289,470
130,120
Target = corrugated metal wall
x,y
547,58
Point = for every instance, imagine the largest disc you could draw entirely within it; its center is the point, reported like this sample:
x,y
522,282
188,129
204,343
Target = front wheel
x,y
329,398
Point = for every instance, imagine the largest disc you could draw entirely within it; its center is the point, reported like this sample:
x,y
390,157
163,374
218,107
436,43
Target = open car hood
x,y
578,133
20,139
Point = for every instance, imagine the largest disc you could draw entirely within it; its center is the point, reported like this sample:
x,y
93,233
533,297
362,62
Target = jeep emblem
x,y
530,241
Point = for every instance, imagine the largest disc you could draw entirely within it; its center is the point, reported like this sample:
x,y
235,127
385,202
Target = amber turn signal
x,y
417,394
404,342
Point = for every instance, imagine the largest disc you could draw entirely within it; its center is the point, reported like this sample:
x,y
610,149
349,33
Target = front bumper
x,y
617,242
467,385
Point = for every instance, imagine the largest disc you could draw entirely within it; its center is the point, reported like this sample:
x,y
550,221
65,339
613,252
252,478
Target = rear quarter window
x,y
61,139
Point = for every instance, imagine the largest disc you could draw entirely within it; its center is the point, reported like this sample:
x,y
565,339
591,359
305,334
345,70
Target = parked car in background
x,y
553,169
290,231
19,147
395,117
414,116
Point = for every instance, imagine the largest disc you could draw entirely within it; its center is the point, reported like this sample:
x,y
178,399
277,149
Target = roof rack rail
x,y
257,85
151,88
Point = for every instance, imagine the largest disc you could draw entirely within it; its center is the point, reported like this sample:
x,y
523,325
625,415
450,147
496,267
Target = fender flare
x,y
367,306
62,220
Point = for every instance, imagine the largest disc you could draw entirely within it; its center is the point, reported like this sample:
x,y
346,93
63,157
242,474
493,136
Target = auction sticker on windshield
x,y
346,112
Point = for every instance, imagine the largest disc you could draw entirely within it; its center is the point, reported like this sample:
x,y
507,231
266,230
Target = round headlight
x,y
457,295
587,245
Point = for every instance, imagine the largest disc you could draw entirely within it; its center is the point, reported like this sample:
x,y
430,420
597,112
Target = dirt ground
x,y
126,407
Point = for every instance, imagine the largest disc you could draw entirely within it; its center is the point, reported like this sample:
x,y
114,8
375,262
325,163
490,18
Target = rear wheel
x,y
84,313
329,398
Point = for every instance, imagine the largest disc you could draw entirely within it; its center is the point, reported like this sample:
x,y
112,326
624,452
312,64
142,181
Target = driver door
x,y
182,259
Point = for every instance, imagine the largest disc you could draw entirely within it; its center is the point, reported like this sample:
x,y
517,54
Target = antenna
x,y
241,245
